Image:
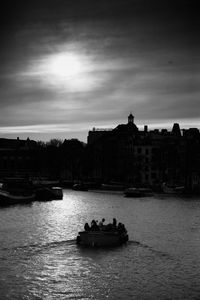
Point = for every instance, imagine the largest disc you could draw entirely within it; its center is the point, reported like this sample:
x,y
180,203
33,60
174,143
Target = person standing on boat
x,y
101,224
94,226
123,228
114,223
87,227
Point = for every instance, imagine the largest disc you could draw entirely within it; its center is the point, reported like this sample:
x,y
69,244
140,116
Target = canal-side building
x,y
17,157
145,157
28,158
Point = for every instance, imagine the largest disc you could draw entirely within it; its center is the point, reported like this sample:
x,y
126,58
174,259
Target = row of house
x,y
124,154
28,158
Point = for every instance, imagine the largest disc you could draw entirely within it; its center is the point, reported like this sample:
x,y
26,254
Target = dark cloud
x,y
17,14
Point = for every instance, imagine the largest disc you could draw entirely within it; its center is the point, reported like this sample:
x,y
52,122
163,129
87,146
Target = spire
x,y
130,119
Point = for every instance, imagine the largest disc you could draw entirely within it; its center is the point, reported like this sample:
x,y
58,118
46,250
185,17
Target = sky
x,y
70,65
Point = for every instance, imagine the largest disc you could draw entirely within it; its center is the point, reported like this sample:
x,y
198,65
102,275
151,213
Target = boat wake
x,y
41,246
157,252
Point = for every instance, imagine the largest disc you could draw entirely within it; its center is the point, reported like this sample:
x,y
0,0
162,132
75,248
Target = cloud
x,y
136,56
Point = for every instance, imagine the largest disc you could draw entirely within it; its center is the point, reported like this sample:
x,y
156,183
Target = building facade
x,y
145,158
18,157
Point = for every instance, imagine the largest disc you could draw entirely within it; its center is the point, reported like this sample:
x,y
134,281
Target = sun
x,y
66,71
65,65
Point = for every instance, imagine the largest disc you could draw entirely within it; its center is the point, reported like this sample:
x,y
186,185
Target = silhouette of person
x,y
87,227
114,223
94,226
101,223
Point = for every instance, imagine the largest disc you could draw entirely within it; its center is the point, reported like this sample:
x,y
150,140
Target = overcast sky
x,y
70,65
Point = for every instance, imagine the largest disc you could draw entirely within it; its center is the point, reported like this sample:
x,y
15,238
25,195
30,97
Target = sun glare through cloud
x,y
65,65
69,70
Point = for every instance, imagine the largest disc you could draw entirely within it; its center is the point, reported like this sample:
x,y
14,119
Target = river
x,y
39,258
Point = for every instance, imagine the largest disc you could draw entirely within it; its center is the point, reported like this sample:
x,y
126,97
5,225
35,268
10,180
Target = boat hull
x,y
8,199
101,239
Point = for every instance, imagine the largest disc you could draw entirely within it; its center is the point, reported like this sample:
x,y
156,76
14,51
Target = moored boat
x,y
57,192
170,189
101,238
49,193
16,191
17,186
80,187
137,192
6,198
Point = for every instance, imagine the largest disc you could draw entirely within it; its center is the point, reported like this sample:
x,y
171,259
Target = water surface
x,y
39,258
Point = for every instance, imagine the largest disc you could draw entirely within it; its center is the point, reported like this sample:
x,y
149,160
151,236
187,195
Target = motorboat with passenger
x,y
103,235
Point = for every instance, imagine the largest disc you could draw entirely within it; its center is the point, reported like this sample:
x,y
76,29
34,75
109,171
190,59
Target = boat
x,y
16,191
20,190
171,189
17,186
137,192
6,198
49,193
80,187
57,193
101,238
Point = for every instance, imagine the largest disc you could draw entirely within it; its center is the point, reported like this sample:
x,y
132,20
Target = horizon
x,y
61,136
69,66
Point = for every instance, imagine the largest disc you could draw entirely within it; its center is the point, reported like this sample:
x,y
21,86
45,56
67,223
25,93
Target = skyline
x,y
69,66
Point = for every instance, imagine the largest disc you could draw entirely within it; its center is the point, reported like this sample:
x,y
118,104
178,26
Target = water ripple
x,y
40,259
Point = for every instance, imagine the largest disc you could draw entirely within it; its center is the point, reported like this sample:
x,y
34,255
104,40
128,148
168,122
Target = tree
x,y
55,143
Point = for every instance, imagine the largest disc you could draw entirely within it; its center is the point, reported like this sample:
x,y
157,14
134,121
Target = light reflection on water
x,y
39,258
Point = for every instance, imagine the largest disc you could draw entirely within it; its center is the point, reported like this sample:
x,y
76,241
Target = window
x,y
153,175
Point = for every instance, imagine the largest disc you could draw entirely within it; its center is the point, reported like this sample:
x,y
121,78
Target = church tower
x,y
130,119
